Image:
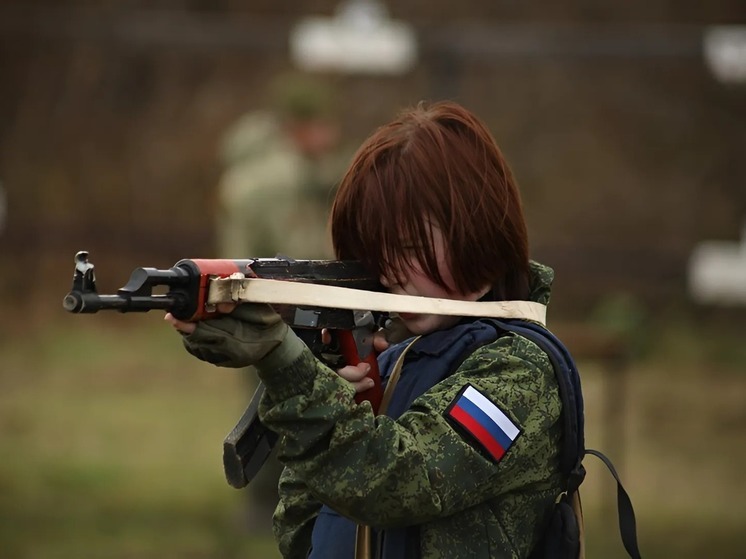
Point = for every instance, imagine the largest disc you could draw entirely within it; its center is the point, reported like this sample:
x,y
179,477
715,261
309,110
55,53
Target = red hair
x,y
434,163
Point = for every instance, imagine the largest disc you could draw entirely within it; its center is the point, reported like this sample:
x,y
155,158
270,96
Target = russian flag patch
x,y
484,421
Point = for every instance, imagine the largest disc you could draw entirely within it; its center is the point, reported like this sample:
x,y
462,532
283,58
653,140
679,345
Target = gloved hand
x,y
246,336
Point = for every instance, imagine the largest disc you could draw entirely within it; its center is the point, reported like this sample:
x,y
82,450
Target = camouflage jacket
x,y
419,469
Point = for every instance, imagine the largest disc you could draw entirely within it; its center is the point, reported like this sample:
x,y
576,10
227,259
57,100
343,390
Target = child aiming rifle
x,y
463,458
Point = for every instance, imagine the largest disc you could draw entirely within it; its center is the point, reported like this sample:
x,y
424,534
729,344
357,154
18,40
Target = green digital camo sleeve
x,y
419,468
294,517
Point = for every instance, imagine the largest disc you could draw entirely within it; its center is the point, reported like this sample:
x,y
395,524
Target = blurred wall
x,y
627,149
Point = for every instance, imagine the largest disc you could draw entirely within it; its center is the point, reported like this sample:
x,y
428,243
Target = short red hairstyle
x,y
434,163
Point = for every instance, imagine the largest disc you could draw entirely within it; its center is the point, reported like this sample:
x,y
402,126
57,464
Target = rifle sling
x,y
285,292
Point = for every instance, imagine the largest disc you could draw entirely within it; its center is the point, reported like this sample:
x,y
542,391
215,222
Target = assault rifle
x,y
187,296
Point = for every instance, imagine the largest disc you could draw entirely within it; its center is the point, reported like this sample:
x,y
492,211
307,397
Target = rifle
x,y
188,282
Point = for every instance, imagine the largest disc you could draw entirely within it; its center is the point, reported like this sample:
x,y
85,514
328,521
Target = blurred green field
x,y
111,441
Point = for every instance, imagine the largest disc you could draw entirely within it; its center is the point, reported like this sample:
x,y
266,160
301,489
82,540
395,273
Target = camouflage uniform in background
x,y
419,469
273,199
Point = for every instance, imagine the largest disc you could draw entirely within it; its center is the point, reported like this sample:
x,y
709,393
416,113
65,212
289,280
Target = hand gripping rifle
x,y
309,295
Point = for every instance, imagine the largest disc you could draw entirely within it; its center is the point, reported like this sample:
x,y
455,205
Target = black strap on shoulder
x,y
573,450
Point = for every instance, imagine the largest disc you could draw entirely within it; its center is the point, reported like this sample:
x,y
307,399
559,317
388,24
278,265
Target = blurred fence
x,y
627,150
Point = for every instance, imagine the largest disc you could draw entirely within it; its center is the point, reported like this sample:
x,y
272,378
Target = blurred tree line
x,y
627,150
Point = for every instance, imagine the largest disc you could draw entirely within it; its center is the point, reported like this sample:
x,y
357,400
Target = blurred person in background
x,y
281,165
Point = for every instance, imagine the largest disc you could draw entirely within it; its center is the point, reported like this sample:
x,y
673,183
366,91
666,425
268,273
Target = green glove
x,y
253,334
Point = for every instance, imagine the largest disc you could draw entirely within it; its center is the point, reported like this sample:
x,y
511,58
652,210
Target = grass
x,y
111,438
111,441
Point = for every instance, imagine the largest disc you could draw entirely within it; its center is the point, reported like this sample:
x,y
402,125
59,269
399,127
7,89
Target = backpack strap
x,y
568,380
573,447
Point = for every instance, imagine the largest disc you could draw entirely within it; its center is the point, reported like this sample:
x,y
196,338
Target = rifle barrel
x,y
77,302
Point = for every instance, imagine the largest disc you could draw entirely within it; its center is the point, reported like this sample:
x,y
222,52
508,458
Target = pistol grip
x,y
349,351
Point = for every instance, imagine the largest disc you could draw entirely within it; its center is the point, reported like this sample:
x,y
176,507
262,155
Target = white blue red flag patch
x,y
484,421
